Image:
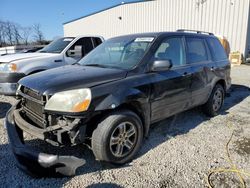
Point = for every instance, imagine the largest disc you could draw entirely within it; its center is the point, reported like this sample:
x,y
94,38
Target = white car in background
x,y
62,51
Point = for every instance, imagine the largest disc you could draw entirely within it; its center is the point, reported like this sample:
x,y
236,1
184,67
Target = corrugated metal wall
x,y
222,17
248,37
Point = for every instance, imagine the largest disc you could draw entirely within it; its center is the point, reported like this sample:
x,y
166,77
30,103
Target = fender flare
x,y
134,98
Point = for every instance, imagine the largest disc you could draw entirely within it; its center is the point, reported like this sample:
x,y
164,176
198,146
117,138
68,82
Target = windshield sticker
x,y
67,39
144,39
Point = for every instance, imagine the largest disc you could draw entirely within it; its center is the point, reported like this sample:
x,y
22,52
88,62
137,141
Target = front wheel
x,y
215,101
117,138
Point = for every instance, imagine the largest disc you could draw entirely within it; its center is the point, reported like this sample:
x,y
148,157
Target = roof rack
x,y
195,31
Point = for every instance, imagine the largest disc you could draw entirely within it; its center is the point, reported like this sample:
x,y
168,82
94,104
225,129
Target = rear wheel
x,y
215,101
118,137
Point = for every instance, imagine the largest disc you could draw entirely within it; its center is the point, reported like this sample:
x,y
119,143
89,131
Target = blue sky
x,y
51,14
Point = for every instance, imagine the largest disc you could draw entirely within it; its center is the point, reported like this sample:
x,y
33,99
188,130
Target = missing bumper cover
x,y
37,163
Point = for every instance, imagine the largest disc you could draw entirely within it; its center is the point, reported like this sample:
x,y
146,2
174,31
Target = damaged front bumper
x,y
34,162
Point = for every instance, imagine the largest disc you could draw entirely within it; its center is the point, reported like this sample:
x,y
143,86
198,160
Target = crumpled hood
x,y
24,56
70,77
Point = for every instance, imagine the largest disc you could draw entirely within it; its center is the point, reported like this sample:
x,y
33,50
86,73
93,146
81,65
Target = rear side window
x,y
196,50
97,41
87,45
217,50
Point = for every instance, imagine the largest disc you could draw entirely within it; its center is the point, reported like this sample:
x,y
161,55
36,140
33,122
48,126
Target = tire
x,y
113,126
215,102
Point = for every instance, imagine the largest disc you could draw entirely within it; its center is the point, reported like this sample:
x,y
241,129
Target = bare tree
x,y
26,32
38,34
13,34
16,33
2,33
9,32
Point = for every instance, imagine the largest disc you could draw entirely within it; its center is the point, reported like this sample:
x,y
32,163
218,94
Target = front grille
x,y
32,93
33,106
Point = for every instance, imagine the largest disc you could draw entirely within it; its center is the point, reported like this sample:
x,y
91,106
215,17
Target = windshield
x,y
57,46
122,52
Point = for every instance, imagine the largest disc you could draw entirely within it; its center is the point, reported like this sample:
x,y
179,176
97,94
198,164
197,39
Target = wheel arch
x,y
141,111
222,83
36,71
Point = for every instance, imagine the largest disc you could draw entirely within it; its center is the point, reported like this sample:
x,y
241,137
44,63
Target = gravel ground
x,y
179,152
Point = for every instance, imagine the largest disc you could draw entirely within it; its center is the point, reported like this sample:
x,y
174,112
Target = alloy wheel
x,y
217,100
123,139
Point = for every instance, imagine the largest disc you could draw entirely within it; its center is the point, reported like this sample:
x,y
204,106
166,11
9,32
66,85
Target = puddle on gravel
x,y
242,146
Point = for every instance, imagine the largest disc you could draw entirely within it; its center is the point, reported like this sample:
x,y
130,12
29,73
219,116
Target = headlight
x,y
3,67
70,101
8,67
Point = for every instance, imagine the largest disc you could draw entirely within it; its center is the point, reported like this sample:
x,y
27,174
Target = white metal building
x,y
229,18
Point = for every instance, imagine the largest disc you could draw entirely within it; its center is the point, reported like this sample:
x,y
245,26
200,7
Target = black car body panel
x,y
171,92
86,77
153,95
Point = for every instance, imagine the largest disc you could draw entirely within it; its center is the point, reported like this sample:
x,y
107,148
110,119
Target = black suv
x,y
110,97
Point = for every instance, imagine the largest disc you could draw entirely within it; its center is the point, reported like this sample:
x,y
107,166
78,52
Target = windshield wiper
x,y
43,51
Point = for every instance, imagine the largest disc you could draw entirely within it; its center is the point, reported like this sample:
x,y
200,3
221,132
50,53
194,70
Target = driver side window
x,y
83,44
171,49
134,52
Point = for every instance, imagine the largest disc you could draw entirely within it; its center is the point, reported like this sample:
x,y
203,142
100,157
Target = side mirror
x,y
161,65
77,52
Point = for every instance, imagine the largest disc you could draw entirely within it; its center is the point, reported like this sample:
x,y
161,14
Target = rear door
x,y
170,89
199,58
219,56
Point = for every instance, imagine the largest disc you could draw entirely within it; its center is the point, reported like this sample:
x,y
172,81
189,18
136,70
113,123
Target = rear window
x,y
87,45
217,50
97,41
196,50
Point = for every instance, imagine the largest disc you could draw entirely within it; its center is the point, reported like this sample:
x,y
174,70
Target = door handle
x,y
186,74
57,60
